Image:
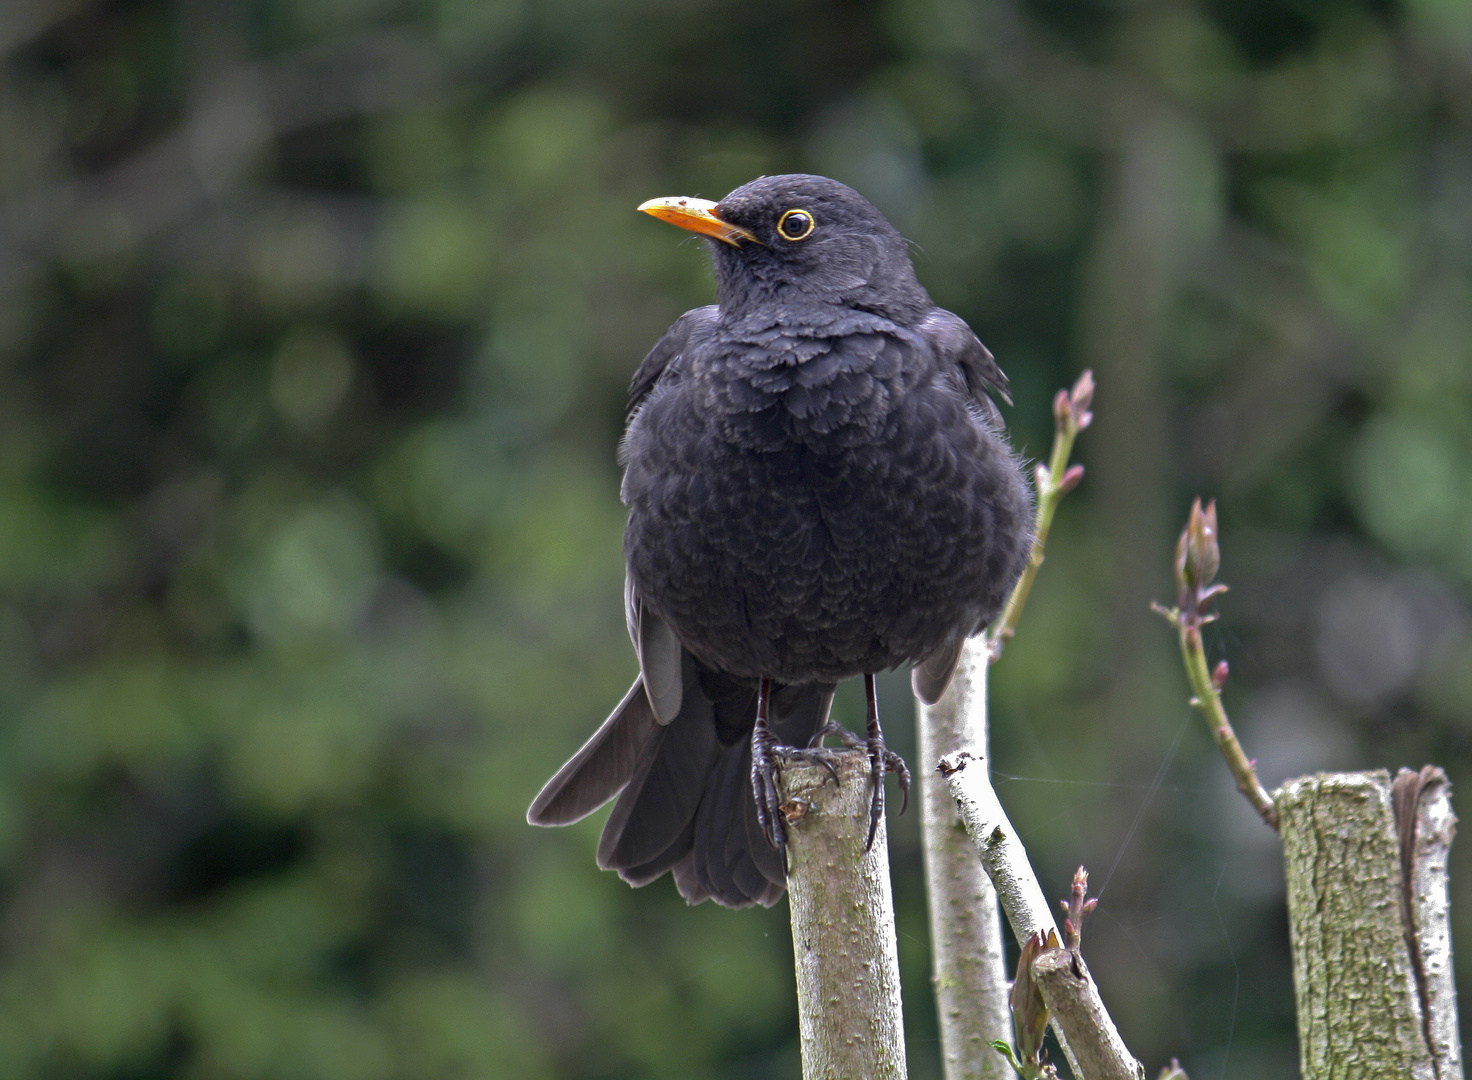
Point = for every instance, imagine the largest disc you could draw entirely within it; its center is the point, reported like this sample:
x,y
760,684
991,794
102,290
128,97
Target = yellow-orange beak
x,y
697,215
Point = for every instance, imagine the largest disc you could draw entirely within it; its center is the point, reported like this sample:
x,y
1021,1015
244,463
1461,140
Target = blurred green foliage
x,y
315,322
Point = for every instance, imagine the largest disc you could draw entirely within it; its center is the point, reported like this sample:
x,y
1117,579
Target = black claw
x,y
815,751
822,759
896,764
814,755
876,805
833,728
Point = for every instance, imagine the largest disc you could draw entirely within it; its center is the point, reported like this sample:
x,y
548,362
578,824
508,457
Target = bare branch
x,y
1074,1000
850,1019
1198,557
1079,1014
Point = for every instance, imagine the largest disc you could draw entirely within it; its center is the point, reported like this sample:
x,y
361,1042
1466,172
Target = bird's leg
x,y
764,767
881,760
764,774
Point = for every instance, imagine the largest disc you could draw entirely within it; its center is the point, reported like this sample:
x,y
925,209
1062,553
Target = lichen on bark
x,y
1358,1010
850,1019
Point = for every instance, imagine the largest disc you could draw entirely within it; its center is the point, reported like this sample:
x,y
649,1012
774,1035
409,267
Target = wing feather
x,y
957,346
667,350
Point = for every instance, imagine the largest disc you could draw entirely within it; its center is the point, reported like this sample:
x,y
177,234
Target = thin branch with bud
x,y
1078,905
1056,479
1085,1031
1198,558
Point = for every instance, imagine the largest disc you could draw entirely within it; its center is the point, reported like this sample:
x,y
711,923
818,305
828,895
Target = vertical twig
x,y
850,1018
1198,557
965,923
1056,479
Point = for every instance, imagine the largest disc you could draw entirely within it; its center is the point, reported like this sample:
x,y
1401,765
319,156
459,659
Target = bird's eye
x,y
795,225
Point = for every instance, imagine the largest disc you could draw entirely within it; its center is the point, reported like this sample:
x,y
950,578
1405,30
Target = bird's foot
x,y
882,760
764,770
765,767
767,759
819,754
833,729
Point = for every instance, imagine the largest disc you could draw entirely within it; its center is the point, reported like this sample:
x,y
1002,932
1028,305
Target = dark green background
x,y
315,322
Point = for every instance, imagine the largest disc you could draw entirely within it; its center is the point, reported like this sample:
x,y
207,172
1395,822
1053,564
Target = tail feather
x,y
687,881
932,675
728,787
685,802
743,858
734,863
678,849
598,771
661,798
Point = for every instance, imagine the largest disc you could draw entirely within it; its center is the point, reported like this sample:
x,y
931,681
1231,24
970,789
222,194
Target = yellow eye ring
x,y
795,225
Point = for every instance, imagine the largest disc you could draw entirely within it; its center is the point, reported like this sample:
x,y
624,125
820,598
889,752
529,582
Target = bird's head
x,y
801,239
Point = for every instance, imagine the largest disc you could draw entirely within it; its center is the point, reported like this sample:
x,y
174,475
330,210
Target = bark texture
x,y
968,965
1021,897
850,1019
1073,997
1359,1014
997,842
1427,827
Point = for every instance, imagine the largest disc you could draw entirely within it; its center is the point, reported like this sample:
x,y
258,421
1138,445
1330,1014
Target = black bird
x,y
818,487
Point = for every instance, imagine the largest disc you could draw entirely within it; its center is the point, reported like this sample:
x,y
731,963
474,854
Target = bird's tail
x,y
684,789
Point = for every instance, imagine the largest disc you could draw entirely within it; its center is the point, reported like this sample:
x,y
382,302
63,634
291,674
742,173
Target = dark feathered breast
x,y
812,498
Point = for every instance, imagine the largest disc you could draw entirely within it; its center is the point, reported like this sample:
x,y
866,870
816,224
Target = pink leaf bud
x,y
1197,560
1080,399
1071,476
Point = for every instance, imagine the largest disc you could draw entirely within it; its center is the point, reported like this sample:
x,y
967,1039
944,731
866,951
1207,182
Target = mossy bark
x,y
850,1019
1359,1013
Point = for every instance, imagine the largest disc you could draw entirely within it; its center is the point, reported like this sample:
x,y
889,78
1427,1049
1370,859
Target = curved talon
x,y
876,804
896,764
837,731
814,755
822,759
